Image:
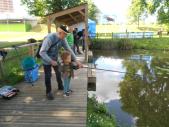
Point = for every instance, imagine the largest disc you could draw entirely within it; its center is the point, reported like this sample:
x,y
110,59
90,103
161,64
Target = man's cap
x,y
63,28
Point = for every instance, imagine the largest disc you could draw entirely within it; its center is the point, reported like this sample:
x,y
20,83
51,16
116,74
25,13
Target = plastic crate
x,y
31,75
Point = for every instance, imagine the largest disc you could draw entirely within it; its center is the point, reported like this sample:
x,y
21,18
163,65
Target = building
x,y
6,6
14,17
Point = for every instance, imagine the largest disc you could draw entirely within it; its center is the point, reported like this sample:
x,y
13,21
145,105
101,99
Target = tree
x,y
137,9
92,10
43,7
159,7
35,7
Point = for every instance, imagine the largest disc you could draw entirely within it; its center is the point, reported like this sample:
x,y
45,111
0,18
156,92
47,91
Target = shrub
x,y
109,44
97,115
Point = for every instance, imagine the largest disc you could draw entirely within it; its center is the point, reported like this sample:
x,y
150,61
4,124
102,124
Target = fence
x,y
10,67
126,35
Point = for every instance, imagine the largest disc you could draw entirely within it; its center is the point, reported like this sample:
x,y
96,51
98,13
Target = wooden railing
x,y
13,52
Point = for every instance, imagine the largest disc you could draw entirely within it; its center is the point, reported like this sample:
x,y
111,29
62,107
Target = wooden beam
x,y
49,25
86,33
73,18
68,11
82,13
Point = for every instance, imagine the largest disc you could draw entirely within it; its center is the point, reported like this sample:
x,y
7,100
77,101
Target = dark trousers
x,y
83,45
76,45
48,74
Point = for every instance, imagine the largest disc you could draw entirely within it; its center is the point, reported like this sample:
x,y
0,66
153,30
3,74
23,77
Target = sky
x,y
118,9
19,9
115,8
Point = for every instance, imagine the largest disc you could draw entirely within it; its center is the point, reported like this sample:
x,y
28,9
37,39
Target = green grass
x,y
8,44
151,44
130,28
97,115
13,72
126,44
15,27
12,68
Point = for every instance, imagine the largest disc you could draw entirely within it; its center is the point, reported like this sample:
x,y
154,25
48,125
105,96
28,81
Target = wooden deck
x,y
31,108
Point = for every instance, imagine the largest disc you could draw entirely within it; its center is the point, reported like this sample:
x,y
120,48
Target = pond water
x,y
139,97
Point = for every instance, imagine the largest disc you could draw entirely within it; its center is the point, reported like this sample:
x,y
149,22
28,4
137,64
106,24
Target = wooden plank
x,y
83,14
31,108
86,33
90,56
73,18
68,11
1,67
27,124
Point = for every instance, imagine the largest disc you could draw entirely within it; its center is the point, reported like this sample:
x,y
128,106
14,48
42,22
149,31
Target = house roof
x,y
69,16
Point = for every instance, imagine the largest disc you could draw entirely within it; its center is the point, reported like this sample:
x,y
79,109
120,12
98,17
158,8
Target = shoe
x,y
66,94
70,91
50,96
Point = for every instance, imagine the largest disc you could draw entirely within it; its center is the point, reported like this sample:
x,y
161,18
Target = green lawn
x,y
130,28
15,27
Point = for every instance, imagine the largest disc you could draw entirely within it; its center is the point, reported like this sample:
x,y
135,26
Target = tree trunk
x,y
138,22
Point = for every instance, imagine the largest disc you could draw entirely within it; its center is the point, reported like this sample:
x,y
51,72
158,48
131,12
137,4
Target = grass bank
x,y
97,115
128,44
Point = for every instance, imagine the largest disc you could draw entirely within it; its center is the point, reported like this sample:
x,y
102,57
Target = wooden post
x,y
1,67
31,50
86,33
49,25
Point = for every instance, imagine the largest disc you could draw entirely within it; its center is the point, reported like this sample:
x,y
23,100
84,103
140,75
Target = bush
x,y
109,44
12,68
128,44
124,44
97,115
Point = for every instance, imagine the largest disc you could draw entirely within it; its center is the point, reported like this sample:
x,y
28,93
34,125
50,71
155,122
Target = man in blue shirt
x,y
49,53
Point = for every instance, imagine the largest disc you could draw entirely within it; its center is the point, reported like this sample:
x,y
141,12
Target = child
x,y
67,72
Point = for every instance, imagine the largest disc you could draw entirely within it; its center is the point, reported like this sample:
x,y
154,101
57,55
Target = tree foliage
x,y
43,7
137,10
159,7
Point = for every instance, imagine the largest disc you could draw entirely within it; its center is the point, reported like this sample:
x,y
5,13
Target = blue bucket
x,y
32,75
28,63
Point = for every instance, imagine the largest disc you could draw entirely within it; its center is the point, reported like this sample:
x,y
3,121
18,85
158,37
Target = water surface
x,y
139,97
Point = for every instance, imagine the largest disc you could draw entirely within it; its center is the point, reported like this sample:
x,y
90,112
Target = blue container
x,y
28,63
31,75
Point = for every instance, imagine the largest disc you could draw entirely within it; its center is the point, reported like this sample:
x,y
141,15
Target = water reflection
x,y
136,100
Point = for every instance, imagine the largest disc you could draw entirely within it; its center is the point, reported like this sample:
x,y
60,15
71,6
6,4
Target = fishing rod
x,y
101,69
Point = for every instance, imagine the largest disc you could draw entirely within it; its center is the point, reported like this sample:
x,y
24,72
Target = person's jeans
x,y
48,74
66,82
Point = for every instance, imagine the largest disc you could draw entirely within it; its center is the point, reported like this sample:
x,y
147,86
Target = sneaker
x,y
66,94
70,91
50,96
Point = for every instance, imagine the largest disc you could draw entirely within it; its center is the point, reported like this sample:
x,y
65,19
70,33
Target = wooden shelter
x,y
70,17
